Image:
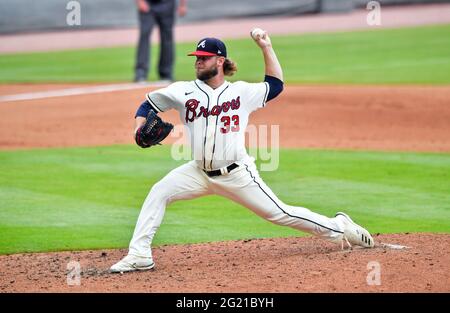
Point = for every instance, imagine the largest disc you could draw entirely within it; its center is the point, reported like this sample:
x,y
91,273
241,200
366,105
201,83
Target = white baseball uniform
x,y
216,119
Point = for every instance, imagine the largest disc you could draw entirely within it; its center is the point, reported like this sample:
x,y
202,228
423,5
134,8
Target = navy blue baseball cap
x,y
210,47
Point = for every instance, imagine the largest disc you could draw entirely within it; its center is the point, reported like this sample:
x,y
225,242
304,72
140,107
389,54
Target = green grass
x,y
394,56
83,198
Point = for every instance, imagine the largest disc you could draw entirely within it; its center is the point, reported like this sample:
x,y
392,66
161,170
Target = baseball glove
x,y
153,131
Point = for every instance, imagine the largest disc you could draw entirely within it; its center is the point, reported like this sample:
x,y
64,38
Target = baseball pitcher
x,y
216,112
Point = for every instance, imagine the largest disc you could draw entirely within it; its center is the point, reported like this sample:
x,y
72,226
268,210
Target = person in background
x,y
162,13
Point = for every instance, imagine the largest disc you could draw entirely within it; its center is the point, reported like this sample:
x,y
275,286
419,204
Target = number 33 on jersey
x,y
216,118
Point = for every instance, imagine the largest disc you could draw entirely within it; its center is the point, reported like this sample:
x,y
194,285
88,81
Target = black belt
x,y
219,172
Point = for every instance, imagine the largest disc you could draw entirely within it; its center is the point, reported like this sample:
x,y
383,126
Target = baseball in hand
x,y
257,33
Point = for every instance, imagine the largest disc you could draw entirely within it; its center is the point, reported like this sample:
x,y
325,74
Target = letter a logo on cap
x,y
210,47
202,44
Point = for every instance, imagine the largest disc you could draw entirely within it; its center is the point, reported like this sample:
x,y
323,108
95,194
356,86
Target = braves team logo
x,y
192,105
202,44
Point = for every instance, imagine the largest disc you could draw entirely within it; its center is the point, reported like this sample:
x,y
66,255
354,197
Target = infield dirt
x,y
392,118
258,265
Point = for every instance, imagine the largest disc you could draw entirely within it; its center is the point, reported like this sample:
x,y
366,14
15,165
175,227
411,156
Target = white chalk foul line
x,y
79,91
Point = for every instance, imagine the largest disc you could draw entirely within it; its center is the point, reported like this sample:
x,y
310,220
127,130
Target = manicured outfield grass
x,y
82,198
410,55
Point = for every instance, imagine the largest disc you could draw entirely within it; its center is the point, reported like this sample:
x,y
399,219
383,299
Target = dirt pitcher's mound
x,y
259,265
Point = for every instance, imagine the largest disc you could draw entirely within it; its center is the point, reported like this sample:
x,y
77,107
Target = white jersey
x,y
216,118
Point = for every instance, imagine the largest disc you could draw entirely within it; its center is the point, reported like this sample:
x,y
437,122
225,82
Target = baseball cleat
x,y
353,233
132,263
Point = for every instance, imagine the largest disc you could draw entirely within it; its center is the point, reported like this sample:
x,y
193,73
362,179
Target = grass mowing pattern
x,y
87,198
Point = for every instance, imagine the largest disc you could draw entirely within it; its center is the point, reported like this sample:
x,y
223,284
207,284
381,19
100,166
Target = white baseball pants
x,y
243,185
